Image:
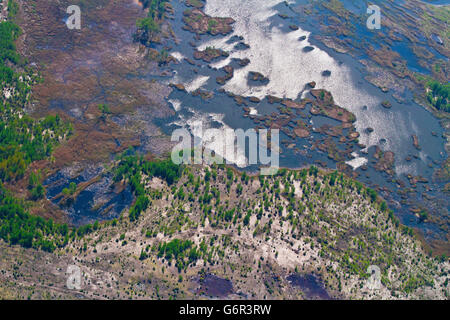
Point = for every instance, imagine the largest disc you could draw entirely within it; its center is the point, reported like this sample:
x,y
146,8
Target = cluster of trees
x,y
9,32
141,204
438,95
13,8
182,251
37,190
156,8
150,25
130,168
372,194
17,226
87,228
22,141
303,216
70,190
131,165
15,85
104,110
164,169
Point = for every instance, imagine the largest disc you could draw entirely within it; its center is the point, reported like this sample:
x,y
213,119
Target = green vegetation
x,y
141,204
156,8
70,190
19,227
336,216
211,25
22,141
105,111
149,26
22,138
37,190
438,95
182,251
308,210
13,9
131,167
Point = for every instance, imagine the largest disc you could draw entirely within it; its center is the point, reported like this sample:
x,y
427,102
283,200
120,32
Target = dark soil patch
x,y
310,285
214,286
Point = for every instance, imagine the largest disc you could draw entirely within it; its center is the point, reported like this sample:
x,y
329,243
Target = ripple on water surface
x,y
275,52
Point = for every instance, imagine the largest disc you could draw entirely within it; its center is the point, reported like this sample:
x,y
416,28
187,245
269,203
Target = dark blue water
x,y
223,104
437,2
98,202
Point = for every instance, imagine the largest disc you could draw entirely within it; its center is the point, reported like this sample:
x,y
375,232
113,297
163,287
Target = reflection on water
x,y
276,52
199,124
437,2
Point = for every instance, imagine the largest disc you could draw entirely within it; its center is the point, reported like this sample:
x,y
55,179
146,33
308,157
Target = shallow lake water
x,y
276,53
